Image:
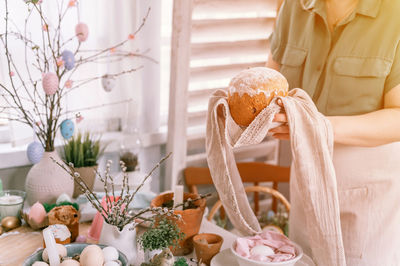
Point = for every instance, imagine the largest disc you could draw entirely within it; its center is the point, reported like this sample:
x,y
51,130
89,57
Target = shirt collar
x,y
368,8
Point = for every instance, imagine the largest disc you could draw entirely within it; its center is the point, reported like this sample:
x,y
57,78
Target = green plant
x,y
82,150
164,234
181,262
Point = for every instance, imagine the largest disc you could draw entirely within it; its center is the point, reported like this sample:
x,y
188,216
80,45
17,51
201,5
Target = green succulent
x,y
82,150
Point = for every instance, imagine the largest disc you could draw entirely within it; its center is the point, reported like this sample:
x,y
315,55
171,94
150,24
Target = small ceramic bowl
x,y
248,262
72,249
207,246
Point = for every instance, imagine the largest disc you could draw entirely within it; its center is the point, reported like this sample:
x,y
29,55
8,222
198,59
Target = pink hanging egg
x,y
82,32
50,83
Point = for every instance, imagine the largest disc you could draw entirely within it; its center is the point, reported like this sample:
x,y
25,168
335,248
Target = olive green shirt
x,y
346,71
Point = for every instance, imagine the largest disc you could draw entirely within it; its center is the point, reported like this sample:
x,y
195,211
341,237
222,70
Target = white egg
x,y
111,263
70,263
62,251
40,263
262,251
63,197
110,253
92,255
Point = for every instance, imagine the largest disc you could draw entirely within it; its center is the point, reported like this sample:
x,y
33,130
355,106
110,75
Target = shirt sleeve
x,y
275,39
393,79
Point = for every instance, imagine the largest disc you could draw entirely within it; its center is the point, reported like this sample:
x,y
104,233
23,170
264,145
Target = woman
x,y
346,55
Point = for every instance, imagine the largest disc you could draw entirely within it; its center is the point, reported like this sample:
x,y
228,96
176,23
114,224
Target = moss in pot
x,y
191,217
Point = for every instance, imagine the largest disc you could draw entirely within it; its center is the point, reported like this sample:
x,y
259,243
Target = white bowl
x,y
248,262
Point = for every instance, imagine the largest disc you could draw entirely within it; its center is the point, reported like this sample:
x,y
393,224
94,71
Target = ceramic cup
x,y
207,246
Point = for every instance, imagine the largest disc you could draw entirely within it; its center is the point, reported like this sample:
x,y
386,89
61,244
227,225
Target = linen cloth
x,y
312,147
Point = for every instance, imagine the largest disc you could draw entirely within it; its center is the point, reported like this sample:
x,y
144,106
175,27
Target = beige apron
x,y
368,181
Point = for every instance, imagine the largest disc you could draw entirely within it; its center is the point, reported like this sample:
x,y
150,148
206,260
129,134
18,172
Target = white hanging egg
x,y
82,32
67,128
110,254
69,59
108,82
35,152
50,83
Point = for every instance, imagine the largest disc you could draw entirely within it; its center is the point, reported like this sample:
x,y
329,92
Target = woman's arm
x,y
371,129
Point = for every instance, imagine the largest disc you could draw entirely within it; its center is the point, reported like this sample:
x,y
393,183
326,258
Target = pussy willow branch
x,y
116,212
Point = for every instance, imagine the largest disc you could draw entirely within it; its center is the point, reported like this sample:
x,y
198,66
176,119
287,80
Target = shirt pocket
x,y
292,64
357,84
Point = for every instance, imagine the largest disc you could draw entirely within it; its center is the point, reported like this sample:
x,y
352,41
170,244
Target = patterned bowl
x,y
72,249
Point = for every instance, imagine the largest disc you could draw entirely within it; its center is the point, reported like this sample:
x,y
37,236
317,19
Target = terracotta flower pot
x,y
207,246
88,175
190,222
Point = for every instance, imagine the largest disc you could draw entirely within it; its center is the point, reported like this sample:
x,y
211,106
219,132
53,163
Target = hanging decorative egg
x,y
35,152
69,59
67,128
50,83
82,32
108,82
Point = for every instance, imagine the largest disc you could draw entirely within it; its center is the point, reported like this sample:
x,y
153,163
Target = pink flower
x,y
69,83
112,50
38,123
131,36
60,62
45,27
12,74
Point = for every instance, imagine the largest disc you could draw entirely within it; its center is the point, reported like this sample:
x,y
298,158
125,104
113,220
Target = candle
x,y
178,196
51,247
10,205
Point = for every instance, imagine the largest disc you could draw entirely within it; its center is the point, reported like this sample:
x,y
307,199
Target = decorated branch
x,y
35,89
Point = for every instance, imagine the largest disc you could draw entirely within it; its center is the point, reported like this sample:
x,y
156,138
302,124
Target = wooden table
x,y
18,244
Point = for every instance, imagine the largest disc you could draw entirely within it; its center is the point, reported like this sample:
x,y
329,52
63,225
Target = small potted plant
x,y
191,217
83,151
162,234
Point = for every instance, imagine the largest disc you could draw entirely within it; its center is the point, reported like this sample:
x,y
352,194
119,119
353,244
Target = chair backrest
x,y
250,172
275,194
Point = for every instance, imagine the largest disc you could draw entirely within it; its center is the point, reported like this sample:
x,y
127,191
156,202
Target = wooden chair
x,y
251,172
276,195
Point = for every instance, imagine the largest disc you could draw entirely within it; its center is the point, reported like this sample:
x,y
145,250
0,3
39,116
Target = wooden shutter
x,y
212,40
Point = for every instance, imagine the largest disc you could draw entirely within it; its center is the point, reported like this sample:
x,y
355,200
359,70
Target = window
x,y
109,22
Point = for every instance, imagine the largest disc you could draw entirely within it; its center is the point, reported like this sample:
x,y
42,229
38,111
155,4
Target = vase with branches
x,y
120,222
35,90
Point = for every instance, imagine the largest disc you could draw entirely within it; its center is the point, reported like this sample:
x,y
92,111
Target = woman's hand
x,y
281,132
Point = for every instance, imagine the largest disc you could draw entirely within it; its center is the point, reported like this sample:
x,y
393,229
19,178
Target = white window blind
x,y
226,36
